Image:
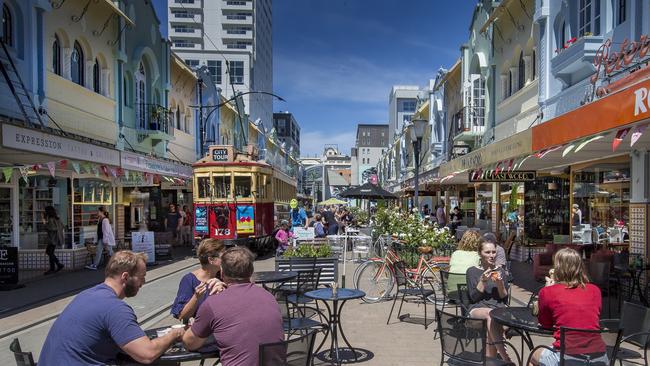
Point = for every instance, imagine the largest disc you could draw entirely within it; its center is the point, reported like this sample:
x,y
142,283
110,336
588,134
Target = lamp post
x,y
417,132
216,107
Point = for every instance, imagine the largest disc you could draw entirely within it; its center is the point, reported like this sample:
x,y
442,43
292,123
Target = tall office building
x,y
234,40
402,102
371,143
288,130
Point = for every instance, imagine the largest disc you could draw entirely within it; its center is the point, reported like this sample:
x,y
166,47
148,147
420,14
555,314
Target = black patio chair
x,y
450,295
599,273
292,352
417,292
22,358
635,322
586,347
464,341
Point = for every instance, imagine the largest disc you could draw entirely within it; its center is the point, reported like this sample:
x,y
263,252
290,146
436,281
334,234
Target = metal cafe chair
x,y
413,291
292,352
635,322
22,358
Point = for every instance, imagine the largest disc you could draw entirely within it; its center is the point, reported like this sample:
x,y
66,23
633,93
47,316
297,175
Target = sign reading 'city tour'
x,y
520,176
8,265
220,154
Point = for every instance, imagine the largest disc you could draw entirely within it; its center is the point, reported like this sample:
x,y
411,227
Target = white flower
x,y
409,235
424,241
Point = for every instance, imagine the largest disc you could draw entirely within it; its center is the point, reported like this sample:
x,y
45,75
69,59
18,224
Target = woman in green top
x,y
465,257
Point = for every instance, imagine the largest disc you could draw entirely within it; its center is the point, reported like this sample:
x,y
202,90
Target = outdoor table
x,y
522,320
273,276
334,316
176,354
636,283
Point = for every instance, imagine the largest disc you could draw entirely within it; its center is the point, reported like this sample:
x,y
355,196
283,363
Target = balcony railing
x,y
467,123
157,119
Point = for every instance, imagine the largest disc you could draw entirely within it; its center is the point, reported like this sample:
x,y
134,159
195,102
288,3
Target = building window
x,y
521,77
56,55
7,26
184,1
237,72
141,97
183,44
178,118
215,71
588,18
77,64
534,66
408,106
96,77
621,11
192,63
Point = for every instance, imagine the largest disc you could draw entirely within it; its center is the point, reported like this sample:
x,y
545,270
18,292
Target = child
x,y
282,236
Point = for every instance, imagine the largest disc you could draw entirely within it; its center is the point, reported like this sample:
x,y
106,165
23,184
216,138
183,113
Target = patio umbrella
x,y
333,201
368,191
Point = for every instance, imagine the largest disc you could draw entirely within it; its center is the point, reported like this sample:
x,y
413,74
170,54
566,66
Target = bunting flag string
x,y
24,171
51,167
63,164
76,167
637,132
7,172
620,136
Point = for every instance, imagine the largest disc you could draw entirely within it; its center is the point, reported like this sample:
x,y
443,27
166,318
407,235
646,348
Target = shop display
x,y
5,216
546,208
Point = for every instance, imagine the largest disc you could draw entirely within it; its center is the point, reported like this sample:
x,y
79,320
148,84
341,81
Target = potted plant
x,y
309,256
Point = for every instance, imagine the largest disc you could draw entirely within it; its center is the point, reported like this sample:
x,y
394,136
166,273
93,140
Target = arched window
x,y
141,97
56,55
7,26
521,72
533,60
97,77
509,83
77,64
178,118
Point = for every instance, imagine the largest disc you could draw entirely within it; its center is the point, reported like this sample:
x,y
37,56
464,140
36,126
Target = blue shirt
x,y
298,217
185,293
90,330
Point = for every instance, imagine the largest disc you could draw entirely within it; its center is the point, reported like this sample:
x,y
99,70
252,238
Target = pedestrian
x,y
105,238
173,221
330,219
241,317
441,216
298,215
282,236
319,228
98,325
55,237
186,229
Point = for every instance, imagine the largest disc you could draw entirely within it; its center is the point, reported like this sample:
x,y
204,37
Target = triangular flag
x,y
636,133
37,166
126,174
76,167
88,168
63,164
104,169
120,172
620,136
497,168
7,172
23,172
512,161
95,170
113,172
51,166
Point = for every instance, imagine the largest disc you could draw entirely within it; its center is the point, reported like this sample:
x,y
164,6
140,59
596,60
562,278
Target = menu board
x,y
8,265
143,242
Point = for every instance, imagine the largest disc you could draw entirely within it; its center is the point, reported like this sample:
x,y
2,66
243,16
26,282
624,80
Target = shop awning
x,y
117,11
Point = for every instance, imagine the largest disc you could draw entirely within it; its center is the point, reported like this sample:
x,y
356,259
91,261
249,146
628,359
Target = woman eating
x,y
197,285
488,289
569,300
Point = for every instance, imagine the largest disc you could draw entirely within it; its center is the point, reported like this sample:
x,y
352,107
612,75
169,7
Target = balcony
x,y
187,32
237,5
466,125
575,63
181,45
185,18
237,18
238,34
186,4
238,46
156,124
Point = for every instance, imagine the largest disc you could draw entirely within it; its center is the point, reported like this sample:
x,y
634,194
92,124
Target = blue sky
x,y
335,61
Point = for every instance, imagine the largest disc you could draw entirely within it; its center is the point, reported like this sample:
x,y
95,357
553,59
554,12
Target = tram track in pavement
x,y
65,298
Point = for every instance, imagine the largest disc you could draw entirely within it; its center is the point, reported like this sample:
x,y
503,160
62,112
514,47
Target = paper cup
x,y
162,332
178,326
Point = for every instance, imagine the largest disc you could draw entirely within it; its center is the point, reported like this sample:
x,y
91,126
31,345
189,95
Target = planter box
x,y
329,271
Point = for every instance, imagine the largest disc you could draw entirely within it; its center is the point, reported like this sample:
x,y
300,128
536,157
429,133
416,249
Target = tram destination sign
x,y
520,176
220,154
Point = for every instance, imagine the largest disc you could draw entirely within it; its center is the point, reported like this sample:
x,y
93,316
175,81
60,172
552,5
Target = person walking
x,y
441,216
186,229
173,221
105,237
55,237
330,219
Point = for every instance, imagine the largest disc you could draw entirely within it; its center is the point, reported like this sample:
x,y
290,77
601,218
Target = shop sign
x,y
8,265
300,233
45,143
174,186
220,154
607,62
143,242
506,149
156,166
134,180
460,150
516,176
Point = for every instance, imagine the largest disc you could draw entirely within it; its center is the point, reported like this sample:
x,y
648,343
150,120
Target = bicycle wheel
x,y
431,277
375,279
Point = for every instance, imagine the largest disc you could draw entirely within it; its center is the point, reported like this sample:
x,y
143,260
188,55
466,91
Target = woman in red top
x,y
568,300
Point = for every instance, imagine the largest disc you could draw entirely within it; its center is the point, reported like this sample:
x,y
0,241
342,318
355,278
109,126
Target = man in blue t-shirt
x,y
98,324
298,215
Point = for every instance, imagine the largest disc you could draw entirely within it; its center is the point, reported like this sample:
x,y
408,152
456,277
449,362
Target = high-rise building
x,y
234,40
288,131
372,141
402,102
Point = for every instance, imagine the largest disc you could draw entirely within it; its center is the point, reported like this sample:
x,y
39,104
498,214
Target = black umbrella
x,y
368,191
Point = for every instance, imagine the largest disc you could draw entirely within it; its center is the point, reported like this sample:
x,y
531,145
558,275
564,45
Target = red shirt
x,y
578,307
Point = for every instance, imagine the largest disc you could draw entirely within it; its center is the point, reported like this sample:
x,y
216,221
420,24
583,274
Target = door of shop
x,y
7,207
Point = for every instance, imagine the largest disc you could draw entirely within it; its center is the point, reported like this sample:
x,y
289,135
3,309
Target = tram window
x,y
261,186
221,186
242,186
203,184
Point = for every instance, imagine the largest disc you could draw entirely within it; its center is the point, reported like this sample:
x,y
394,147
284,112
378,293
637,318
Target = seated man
x,y
241,317
97,324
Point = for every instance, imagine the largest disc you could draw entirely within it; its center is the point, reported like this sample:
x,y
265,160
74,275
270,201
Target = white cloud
x,y
347,79
312,142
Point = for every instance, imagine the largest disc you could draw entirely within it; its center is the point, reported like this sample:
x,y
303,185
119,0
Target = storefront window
x,y
221,186
36,194
5,216
242,186
601,202
89,195
484,206
512,207
546,206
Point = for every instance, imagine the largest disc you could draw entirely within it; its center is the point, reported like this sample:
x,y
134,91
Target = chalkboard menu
x,y
8,265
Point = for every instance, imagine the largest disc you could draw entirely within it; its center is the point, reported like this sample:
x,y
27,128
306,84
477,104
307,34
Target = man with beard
x,y
98,324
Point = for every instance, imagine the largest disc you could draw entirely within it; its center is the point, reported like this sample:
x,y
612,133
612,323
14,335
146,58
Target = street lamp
x,y
417,132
